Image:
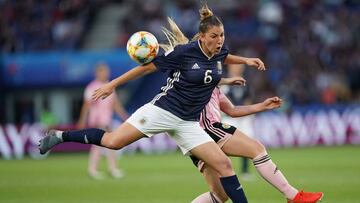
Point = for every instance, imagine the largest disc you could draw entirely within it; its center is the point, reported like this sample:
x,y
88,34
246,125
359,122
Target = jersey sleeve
x,y
170,60
87,93
221,95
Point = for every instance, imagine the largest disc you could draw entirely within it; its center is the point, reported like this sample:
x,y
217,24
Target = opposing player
x,y
99,114
194,71
235,143
239,96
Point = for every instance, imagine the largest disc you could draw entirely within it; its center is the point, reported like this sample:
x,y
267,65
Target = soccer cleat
x,y
116,173
49,141
307,197
96,175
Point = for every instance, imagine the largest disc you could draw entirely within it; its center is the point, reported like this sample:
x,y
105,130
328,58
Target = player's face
x,y
103,74
212,40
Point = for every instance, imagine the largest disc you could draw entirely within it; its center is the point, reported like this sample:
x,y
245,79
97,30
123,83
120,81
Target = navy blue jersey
x,y
191,80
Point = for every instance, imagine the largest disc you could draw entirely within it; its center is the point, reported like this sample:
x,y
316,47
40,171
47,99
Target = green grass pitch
x,y
171,178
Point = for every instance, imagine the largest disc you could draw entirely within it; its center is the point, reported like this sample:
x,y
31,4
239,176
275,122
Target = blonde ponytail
x,y
195,37
174,36
205,12
207,20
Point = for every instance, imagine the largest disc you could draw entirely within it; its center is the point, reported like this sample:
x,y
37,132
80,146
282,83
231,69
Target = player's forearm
x,y
224,81
232,81
232,59
128,76
245,110
133,74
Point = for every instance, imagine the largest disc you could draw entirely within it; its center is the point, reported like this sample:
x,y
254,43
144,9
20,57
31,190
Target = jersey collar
x,y
208,57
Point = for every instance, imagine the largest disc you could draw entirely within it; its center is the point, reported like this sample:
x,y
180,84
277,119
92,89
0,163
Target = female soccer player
x,y
194,71
99,114
235,143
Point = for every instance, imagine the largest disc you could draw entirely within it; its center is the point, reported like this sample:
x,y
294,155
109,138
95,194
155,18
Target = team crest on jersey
x,y
219,67
226,126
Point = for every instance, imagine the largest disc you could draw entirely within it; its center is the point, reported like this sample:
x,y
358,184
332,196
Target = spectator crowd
x,y
311,48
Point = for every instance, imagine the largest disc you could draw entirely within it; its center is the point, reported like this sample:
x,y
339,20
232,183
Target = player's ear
x,y
202,36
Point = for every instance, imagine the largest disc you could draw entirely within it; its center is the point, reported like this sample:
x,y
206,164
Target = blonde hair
x,y
176,37
205,12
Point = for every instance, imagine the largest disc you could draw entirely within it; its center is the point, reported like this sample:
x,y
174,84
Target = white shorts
x,y
151,120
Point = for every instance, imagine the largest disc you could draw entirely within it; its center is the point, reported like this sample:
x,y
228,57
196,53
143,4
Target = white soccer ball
x,y
142,47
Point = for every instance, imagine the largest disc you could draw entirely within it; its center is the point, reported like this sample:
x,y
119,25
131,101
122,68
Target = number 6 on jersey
x,y
208,78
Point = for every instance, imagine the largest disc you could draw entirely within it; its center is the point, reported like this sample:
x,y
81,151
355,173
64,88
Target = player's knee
x,y
111,143
225,167
258,148
223,197
226,163
219,194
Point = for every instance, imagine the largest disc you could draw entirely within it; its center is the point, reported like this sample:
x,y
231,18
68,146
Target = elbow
x,y
147,71
230,113
149,68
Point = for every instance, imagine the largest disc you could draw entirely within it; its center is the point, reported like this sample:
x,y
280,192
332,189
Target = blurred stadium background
x,y
48,52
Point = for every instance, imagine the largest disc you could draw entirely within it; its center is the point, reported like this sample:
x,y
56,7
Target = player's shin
x,y
85,136
233,189
269,171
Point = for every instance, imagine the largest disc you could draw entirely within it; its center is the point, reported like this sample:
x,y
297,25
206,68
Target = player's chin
x,y
217,50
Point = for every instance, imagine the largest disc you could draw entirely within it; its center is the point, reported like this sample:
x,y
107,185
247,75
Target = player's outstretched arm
x,y
233,81
227,106
139,71
232,59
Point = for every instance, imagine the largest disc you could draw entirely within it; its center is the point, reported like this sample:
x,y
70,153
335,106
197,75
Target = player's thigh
x,y
212,178
148,120
122,136
213,156
188,135
240,144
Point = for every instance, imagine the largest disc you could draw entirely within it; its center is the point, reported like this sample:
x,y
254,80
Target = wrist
x,y
243,60
261,107
113,84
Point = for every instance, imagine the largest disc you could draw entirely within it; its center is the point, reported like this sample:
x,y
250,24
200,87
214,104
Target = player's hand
x,y
233,81
255,62
103,92
272,103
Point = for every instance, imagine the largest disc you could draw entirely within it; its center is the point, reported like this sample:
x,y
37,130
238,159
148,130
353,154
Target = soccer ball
x,y
142,47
